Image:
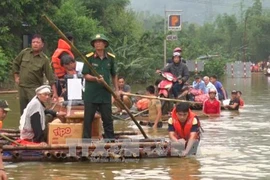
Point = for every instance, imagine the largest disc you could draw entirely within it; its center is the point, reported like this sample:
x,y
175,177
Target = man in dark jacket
x,y
179,70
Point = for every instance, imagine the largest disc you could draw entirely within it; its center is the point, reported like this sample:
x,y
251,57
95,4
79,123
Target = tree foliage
x,y
136,38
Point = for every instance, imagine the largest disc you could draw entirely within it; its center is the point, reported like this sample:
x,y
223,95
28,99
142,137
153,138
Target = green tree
x,y
73,16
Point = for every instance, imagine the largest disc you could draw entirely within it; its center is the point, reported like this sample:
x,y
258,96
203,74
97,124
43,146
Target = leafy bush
x,y
4,66
214,67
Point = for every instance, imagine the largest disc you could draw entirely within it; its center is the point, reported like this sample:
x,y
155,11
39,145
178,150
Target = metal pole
x,y
245,40
165,43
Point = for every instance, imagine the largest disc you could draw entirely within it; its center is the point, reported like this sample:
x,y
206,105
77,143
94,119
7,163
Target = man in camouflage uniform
x,y
29,68
96,96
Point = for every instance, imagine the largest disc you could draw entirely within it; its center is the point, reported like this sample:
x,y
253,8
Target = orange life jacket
x,y
63,46
184,132
142,104
1,125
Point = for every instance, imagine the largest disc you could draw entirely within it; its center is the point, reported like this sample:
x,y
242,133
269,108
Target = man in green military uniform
x,y
96,96
29,68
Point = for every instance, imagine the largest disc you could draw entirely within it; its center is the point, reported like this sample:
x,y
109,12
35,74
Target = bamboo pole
x,y
9,92
135,115
163,99
94,72
8,139
10,130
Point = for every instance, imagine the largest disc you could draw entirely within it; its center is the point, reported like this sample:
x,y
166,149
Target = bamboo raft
x,y
138,150
126,146
119,150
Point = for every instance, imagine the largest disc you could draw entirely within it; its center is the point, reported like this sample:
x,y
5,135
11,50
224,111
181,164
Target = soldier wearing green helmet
x,y
96,96
100,37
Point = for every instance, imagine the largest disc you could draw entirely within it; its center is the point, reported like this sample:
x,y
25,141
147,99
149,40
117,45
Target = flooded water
x,y
233,146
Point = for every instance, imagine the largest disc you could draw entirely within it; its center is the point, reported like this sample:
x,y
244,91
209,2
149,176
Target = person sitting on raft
x,y
197,92
3,113
184,126
4,109
123,88
33,120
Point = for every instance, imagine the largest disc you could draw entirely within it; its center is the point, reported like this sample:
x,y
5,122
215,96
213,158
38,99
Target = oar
x,y
10,140
61,34
163,99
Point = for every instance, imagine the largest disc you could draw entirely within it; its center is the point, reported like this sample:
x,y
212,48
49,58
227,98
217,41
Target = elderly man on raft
x,y
33,120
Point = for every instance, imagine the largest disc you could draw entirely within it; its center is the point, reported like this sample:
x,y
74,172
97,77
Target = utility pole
x,y
245,39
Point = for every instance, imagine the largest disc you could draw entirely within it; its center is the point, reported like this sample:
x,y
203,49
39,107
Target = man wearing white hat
x,y
32,122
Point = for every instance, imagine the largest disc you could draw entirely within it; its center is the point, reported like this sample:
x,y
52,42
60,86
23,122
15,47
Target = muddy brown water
x,y
233,146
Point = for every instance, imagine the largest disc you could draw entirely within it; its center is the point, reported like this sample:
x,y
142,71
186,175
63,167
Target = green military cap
x,y
100,37
4,105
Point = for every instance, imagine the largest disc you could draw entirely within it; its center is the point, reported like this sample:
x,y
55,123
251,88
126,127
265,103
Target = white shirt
x,y
79,68
211,86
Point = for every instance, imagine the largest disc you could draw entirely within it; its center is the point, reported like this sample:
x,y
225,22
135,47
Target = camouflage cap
x,y
4,105
100,37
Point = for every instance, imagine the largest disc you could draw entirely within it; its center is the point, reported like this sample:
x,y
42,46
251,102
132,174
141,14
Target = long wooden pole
x,y
61,34
137,114
163,99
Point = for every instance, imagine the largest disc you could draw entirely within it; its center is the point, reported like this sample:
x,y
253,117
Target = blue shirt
x,y
200,85
218,86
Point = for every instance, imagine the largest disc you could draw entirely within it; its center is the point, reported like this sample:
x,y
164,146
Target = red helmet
x,y
177,49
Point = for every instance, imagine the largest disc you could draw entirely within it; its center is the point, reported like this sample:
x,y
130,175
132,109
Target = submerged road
x,y
233,146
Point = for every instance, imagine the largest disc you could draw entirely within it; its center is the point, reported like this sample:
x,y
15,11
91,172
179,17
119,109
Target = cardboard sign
x,y
59,132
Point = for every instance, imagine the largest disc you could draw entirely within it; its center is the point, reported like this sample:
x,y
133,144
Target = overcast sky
x,y
197,11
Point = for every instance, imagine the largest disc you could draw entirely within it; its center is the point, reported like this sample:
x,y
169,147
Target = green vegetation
x,y
135,38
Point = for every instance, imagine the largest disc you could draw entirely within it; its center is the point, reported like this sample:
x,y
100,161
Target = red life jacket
x,y
63,46
184,132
